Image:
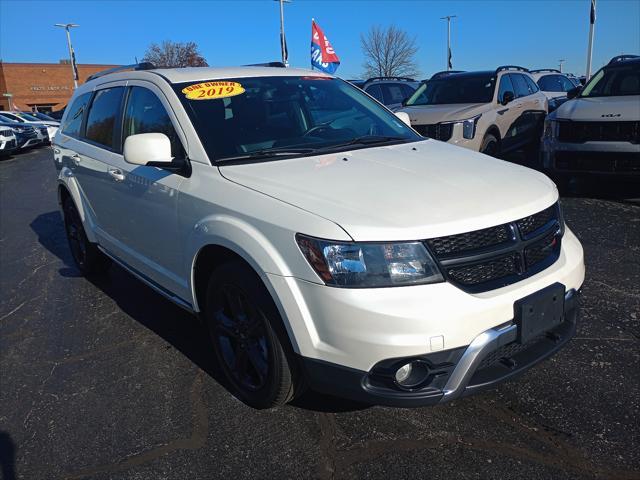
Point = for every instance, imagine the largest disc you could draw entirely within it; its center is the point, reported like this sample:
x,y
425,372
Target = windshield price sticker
x,y
212,90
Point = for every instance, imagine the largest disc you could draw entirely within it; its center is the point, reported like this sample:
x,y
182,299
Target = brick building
x,y
43,86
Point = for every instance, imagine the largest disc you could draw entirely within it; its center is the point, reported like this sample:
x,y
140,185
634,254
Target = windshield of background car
x,y
44,117
455,89
27,117
237,116
619,80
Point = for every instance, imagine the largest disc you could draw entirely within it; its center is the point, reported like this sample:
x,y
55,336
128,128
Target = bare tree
x,y
389,52
174,54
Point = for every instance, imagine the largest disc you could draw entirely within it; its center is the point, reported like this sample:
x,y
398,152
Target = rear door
x,y
522,124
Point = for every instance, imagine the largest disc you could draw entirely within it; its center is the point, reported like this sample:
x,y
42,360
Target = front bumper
x,y
491,358
619,158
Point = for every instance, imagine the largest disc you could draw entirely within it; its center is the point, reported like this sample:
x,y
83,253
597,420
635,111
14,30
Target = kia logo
x,y
609,115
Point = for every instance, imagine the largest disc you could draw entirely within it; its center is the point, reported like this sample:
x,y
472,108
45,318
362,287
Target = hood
x,y
602,109
430,114
402,192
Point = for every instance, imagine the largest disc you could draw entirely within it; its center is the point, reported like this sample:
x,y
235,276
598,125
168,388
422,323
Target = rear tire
x,y
248,336
490,145
86,255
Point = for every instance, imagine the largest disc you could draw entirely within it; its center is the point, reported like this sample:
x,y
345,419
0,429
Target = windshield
x,y
619,80
455,89
42,116
247,117
27,117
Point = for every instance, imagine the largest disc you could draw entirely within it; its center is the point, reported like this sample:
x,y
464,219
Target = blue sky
x,y
486,33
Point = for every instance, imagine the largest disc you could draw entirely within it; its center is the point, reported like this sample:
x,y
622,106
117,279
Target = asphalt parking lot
x,y
103,378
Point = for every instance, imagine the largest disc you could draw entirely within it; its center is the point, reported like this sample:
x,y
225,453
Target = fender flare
x,y
68,182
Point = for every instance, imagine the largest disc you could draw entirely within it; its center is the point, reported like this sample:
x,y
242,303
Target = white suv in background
x,y
554,84
598,131
491,112
321,240
46,129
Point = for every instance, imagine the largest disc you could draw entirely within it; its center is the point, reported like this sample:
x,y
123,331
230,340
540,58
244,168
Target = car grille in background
x,y
580,132
10,144
605,162
437,131
5,133
498,256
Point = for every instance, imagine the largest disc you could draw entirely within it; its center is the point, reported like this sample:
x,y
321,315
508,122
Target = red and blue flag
x,y
323,56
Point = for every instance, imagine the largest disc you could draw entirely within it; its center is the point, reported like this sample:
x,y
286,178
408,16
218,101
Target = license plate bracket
x,y
539,312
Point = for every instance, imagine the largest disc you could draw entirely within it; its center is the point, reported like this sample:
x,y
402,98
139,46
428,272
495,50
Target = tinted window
x,y
565,83
550,83
146,114
505,86
102,116
462,88
15,118
305,113
73,122
614,81
533,88
408,90
392,93
376,92
520,85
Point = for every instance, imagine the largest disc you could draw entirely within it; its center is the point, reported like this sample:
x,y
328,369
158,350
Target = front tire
x,y
86,255
490,145
248,336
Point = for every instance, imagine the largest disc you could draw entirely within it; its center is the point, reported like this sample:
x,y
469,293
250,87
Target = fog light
x,y
403,373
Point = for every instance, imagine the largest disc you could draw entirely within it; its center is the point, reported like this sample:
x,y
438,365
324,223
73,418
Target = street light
x,y
283,41
560,62
72,56
448,19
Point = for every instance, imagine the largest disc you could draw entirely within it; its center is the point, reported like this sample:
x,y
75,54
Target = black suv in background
x,y
390,91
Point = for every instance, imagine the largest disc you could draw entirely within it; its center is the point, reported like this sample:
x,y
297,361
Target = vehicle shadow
x,y
181,329
7,456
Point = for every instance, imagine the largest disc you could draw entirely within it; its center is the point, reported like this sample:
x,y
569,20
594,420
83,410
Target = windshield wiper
x,y
265,153
363,140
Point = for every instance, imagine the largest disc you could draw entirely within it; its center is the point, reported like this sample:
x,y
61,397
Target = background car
x,y
390,91
554,84
51,126
8,142
25,134
491,111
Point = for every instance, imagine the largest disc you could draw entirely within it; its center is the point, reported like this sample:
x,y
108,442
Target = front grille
x,y
437,131
10,144
580,132
470,241
498,256
606,162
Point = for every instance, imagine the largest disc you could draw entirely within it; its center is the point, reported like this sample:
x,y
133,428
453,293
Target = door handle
x,y
116,174
76,159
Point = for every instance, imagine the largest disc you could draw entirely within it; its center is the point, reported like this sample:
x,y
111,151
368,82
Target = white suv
x,y
491,112
322,241
598,131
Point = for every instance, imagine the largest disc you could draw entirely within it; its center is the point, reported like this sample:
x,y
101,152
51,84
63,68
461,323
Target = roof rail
x,y
267,64
401,79
511,67
134,66
540,70
622,58
444,73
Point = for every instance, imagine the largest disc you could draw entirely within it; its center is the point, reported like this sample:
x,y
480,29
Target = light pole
x,y
283,40
560,62
592,22
72,56
448,19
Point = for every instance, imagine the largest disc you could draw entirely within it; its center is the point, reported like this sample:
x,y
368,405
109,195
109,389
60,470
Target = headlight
x,y
349,264
469,127
550,128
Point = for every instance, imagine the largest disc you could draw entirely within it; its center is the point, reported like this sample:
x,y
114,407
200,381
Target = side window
x,y
73,121
533,88
375,92
392,93
548,83
146,114
519,84
565,83
408,90
103,115
505,86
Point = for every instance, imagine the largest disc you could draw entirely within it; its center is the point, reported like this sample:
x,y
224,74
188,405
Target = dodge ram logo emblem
x,y
609,115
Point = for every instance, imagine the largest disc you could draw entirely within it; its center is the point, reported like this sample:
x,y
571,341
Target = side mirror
x,y
146,148
574,92
404,116
507,97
